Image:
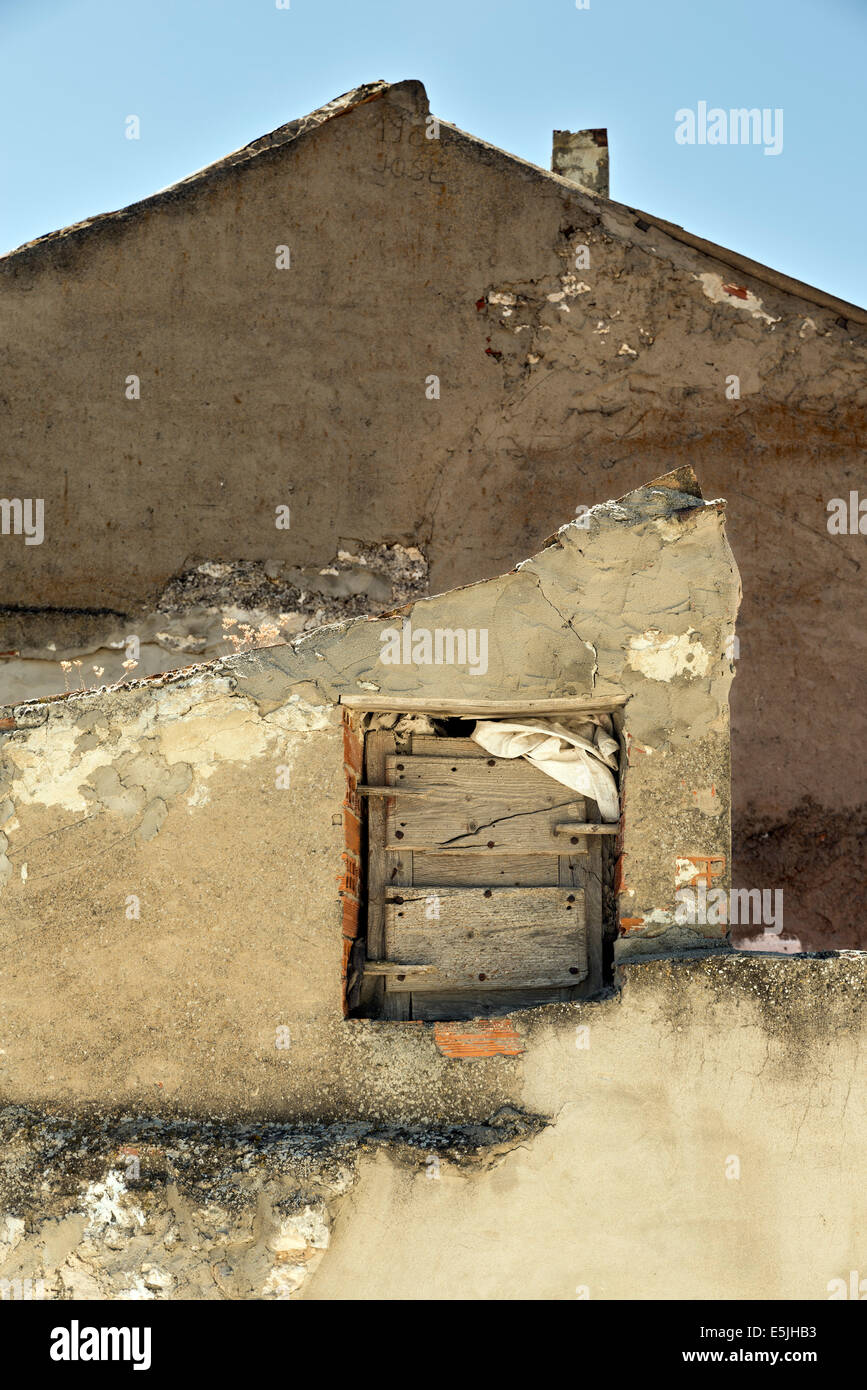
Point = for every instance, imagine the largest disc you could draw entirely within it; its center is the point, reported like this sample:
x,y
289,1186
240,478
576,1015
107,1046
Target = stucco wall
x,y
701,1142
558,387
172,849
203,1121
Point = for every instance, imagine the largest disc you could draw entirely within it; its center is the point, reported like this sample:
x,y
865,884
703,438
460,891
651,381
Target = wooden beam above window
x,y
482,709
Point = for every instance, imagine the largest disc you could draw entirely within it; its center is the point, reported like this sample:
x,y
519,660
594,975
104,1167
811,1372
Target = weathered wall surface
x,y
203,1121
212,610
224,995
700,1142
169,923
558,387
172,849
703,1143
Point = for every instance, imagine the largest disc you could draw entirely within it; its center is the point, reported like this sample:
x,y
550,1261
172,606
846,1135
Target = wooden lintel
x,y
482,709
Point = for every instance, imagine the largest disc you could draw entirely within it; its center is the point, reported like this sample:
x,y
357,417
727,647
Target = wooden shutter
x,y
484,882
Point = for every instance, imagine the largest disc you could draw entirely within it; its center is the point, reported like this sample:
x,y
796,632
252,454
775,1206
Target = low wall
x,y
696,1135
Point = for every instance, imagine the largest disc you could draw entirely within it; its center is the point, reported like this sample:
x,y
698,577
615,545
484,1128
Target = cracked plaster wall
x,y
702,1143
609,1128
653,1145
560,386
206,612
172,848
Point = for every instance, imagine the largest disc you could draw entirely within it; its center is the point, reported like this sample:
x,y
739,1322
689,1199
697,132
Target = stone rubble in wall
x,y
218,608
130,1252
372,580
146,1209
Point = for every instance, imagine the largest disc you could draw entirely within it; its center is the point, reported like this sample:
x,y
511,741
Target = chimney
x,y
582,157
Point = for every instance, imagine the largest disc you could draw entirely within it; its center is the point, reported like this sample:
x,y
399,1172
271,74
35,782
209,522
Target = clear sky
x,y
206,76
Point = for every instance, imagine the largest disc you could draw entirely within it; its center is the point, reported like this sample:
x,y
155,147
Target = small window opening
x,y
487,886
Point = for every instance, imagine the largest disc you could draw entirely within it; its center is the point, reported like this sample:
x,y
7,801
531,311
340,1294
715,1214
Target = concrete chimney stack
x,y
582,157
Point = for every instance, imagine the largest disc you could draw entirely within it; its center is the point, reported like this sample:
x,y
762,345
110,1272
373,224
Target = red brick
x,y
347,950
349,879
495,1037
629,923
353,750
352,800
344,974
352,831
350,916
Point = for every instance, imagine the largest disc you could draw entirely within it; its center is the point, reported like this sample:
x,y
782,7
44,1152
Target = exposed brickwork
x,y
496,1037
353,754
353,751
707,868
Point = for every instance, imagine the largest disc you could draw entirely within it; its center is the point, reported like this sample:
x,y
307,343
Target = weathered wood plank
x,y
376,746
462,776
482,709
593,908
586,872
388,968
400,871
464,1004
497,804
489,937
364,790
488,870
428,745
384,870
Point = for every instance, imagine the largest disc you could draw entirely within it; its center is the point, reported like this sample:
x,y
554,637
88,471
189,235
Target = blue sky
x,y
206,76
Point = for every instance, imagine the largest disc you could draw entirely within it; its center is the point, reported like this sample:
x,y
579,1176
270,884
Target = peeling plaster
x,y
721,291
627,608
135,765
558,395
661,656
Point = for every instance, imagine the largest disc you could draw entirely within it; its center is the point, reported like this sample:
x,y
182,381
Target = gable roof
x,y
643,224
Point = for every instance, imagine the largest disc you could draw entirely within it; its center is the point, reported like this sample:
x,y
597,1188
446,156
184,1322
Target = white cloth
x,y
581,758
